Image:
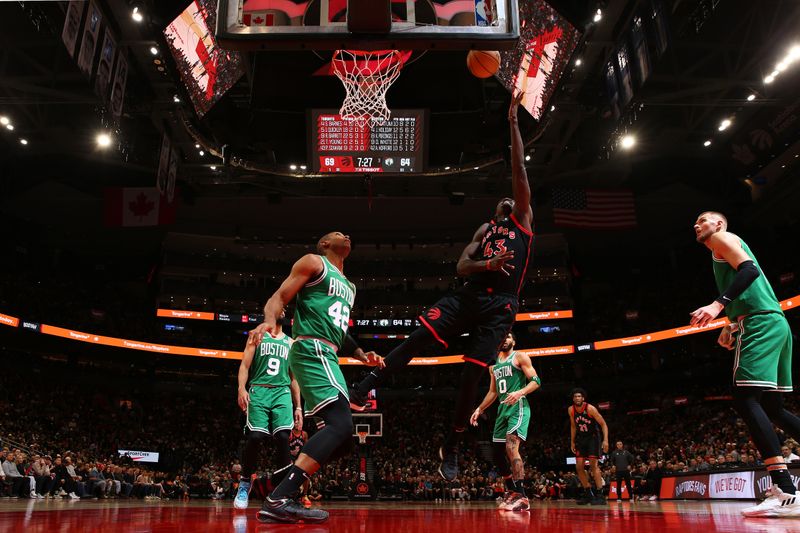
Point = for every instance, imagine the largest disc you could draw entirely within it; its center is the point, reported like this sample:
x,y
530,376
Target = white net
x,y
366,77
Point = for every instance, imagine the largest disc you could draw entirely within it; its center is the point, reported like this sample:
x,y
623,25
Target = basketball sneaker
x,y
515,502
242,498
598,499
449,467
290,512
358,401
585,498
778,503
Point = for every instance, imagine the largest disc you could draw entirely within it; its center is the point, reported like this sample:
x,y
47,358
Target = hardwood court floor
x,y
379,517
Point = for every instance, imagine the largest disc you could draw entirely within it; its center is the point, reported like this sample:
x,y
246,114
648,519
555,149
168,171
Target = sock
x,y
520,487
510,487
290,484
781,478
279,474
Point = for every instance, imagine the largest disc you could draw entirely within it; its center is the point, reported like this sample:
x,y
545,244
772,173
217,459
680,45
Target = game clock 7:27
x,y
365,163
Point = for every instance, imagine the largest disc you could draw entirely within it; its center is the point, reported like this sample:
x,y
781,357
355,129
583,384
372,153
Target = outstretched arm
x,y
469,264
520,187
572,429
303,271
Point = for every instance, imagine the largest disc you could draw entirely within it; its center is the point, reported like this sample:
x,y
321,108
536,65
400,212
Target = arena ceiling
x,y
720,51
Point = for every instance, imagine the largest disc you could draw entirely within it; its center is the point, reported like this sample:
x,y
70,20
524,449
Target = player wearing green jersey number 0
x,y
512,378
322,315
762,368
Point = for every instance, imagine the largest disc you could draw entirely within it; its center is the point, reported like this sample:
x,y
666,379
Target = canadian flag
x,y
258,18
137,206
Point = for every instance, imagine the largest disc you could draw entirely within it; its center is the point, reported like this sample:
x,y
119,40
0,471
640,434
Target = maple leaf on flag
x,y
142,206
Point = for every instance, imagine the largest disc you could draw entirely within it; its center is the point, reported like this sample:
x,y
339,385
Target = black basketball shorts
x,y
487,317
587,447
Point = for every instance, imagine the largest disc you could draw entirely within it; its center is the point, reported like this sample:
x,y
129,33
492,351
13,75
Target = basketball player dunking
x,y
494,264
512,378
763,364
585,424
322,310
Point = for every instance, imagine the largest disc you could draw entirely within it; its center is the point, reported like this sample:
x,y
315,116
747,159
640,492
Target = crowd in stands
x,y
62,441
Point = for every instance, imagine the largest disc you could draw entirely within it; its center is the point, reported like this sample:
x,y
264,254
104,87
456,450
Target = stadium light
x,y
707,143
23,141
5,121
103,140
598,16
724,125
136,15
154,50
751,98
627,142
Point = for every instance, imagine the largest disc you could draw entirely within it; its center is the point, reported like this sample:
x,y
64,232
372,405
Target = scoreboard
x,y
344,146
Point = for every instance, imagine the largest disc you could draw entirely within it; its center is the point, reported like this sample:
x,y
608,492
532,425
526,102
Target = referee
x,y
622,460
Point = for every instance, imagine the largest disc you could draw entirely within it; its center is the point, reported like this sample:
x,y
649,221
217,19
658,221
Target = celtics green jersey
x,y
759,296
508,377
323,306
270,364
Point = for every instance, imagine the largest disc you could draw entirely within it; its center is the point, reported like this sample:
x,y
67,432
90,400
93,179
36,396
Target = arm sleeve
x,y
746,274
349,346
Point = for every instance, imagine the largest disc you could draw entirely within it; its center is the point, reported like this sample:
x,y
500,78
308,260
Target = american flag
x,y
597,209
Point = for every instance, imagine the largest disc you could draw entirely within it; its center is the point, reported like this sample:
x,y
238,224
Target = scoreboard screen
x,y
338,145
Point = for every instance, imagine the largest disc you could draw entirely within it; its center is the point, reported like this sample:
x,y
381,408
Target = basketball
x,y
483,63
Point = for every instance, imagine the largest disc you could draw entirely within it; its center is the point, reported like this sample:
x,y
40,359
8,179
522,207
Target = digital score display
x,y
338,145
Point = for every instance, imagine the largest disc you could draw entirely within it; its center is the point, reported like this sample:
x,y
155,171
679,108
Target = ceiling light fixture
x,y
154,50
627,142
23,141
136,15
5,121
598,16
707,143
751,98
103,140
724,125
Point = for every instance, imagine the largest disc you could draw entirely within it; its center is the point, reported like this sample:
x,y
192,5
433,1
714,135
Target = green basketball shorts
x,y
270,409
512,420
764,353
315,366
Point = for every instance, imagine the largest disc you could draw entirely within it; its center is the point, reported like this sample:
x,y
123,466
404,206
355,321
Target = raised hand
x,y
498,262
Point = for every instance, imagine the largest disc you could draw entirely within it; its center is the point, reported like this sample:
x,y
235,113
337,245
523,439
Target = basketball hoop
x,y
362,437
366,77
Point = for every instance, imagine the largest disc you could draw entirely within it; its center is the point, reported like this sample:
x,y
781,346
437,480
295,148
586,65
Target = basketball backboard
x,y
372,423
322,25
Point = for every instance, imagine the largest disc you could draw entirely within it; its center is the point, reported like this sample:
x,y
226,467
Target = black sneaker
x,y
584,499
598,500
449,467
290,512
358,401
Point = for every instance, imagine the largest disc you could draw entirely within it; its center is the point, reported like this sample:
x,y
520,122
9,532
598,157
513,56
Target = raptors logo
x,y
434,313
362,488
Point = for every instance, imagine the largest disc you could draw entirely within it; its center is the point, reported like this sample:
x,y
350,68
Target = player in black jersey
x,y
297,439
585,424
494,264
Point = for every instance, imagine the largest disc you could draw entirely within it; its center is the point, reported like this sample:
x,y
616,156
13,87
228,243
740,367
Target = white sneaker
x,y
32,495
74,496
778,503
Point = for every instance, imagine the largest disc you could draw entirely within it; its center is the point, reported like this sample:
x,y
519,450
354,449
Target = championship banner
x,y
735,485
118,88
104,65
91,34
72,25
163,165
139,456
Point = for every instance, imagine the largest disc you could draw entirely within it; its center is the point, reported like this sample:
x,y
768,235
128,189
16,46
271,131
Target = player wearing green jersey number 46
x,y
324,299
